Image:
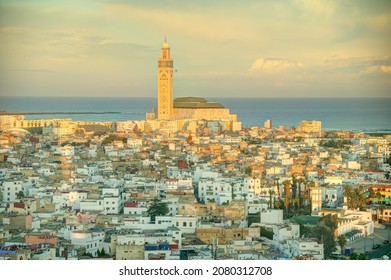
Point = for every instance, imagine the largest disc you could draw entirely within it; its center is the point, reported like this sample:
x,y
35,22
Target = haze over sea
x,y
353,114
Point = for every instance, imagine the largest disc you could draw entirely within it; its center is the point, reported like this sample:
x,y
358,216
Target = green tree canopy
x,y
355,197
342,241
157,208
248,171
20,194
325,232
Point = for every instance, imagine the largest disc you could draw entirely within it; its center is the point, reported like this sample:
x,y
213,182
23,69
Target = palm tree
x,y
296,203
342,242
278,187
286,204
348,192
287,191
294,187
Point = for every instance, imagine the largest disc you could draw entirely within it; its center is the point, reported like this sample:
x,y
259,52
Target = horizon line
x,y
233,97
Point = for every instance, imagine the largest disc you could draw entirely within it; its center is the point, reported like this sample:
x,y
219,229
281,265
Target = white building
x,y
271,216
92,241
285,232
186,224
218,190
10,189
94,205
305,247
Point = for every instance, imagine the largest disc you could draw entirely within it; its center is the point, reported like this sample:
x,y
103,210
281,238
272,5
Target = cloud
x,y
316,7
274,65
184,22
358,66
13,30
385,69
37,71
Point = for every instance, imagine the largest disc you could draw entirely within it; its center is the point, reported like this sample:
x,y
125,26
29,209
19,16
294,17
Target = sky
x,y
292,48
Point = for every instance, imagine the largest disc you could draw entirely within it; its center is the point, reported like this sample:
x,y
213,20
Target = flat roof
x,y
195,102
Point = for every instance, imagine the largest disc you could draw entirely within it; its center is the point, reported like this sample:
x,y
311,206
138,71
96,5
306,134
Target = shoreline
x,y
2,113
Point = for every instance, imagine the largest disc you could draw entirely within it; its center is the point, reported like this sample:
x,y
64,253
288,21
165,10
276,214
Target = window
x,y
177,224
184,224
190,224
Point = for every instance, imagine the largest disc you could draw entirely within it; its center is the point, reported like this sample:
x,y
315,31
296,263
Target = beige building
x,y
225,235
129,252
9,122
311,126
185,108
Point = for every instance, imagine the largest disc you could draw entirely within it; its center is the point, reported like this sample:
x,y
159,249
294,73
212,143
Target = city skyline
x,y
224,49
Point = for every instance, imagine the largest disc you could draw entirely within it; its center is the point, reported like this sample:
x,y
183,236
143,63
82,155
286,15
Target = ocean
x,y
353,114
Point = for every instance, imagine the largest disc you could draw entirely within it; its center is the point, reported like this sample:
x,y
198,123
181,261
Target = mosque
x,y
184,108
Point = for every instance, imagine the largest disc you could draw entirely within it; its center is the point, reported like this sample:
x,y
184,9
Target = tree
x,y
355,256
109,139
296,203
157,208
294,187
20,195
388,161
278,187
287,191
355,197
325,231
248,170
342,242
101,253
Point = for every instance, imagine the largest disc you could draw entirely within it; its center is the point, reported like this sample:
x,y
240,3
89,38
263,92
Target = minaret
x,y
165,84
316,198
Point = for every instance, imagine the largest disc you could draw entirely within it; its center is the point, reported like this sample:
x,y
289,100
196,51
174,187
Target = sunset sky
x,y
295,48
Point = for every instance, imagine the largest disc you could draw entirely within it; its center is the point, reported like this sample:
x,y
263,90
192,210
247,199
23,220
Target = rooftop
x,y
195,102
